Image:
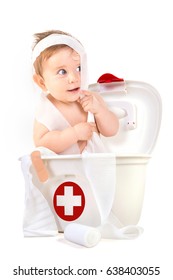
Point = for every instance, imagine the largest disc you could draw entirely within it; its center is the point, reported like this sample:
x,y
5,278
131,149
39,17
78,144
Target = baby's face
x,y
61,73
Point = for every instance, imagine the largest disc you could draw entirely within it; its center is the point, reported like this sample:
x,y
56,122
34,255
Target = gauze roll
x,y
82,235
110,231
112,228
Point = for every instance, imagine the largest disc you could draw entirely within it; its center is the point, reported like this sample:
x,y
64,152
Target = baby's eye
x,y
62,72
78,68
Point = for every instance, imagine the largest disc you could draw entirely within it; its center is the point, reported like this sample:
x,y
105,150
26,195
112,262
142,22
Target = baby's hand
x,y
85,130
89,102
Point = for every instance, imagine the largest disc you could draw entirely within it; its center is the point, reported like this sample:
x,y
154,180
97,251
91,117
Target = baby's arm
x,y
107,122
59,141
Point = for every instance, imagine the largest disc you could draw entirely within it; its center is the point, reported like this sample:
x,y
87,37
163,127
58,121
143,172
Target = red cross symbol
x,y
69,201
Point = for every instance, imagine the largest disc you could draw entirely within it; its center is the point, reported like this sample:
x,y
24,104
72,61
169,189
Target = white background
x,y
131,39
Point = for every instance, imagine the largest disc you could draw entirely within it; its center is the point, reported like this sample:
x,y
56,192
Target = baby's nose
x,y
72,77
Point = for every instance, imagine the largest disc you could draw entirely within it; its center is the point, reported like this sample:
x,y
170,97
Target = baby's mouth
x,y
74,90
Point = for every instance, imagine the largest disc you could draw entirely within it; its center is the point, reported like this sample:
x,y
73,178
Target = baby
x,y
63,121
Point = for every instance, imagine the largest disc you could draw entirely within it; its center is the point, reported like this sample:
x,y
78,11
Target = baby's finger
x,y
93,127
86,92
92,124
85,103
86,98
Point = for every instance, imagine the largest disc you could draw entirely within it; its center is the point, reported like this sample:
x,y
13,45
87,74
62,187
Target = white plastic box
x,y
138,106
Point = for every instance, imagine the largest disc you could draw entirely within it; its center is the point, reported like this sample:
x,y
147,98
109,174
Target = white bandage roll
x,y
110,231
82,235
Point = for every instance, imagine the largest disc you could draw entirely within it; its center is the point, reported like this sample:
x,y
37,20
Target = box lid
x,y
139,108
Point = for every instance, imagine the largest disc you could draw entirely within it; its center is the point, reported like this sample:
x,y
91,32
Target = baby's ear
x,y
39,81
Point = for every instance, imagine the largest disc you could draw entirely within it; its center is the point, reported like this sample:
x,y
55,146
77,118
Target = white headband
x,y
58,39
